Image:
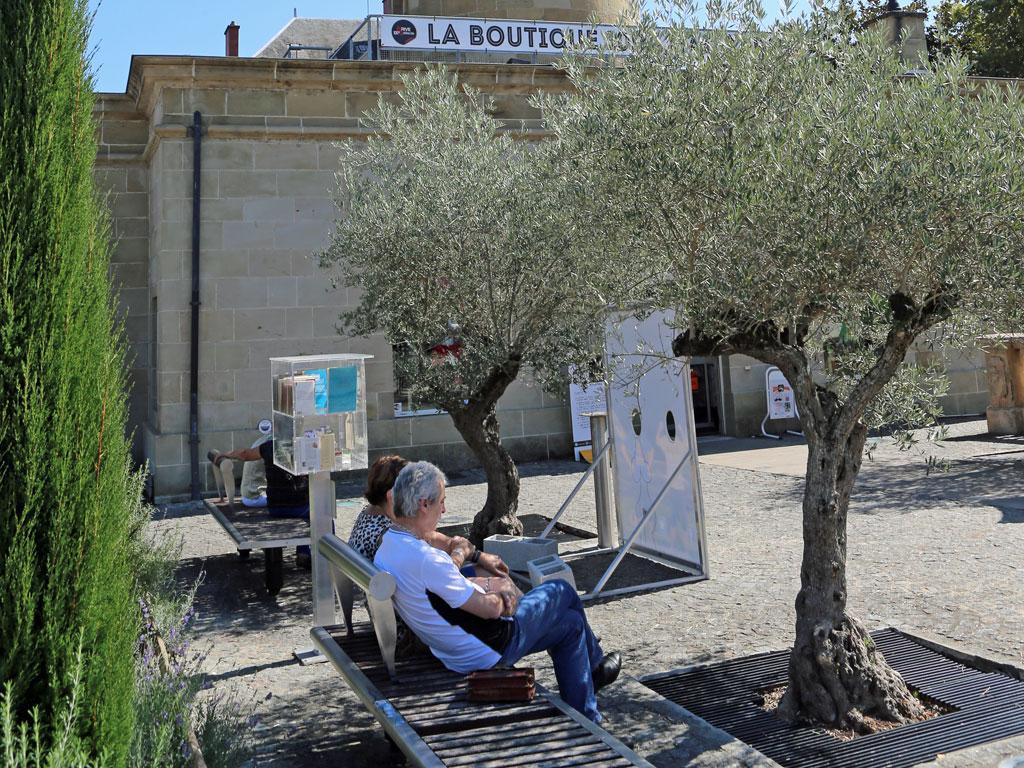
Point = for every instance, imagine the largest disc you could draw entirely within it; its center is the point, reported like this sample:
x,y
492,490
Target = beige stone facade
x,y
269,153
269,156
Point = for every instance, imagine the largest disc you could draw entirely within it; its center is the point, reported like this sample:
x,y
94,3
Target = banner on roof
x,y
486,35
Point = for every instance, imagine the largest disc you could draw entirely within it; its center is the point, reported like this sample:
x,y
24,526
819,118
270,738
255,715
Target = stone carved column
x,y
1004,363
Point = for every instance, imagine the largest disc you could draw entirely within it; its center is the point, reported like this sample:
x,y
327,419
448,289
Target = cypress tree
x,y
66,487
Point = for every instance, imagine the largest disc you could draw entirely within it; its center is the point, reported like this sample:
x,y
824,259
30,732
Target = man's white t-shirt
x,y
419,568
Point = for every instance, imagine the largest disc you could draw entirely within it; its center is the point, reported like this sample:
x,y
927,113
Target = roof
x,y
316,32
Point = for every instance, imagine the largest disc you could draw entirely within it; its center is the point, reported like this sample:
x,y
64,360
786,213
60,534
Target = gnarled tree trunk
x,y
836,675
483,436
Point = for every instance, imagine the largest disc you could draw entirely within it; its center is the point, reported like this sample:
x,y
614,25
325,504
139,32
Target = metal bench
x,y
423,707
254,528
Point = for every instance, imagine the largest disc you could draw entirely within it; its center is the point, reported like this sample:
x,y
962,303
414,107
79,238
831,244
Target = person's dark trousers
x,y
550,618
301,513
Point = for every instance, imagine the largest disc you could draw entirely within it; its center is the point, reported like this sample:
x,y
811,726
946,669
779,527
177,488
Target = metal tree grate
x,y
989,706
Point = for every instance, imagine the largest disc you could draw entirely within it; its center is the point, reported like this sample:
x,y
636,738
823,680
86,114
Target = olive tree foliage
x,y
777,184
452,231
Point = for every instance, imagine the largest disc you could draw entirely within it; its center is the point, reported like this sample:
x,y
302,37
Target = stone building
x,y
268,155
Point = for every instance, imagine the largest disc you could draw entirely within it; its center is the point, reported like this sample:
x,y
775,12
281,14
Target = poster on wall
x,y
584,400
650,416
781,402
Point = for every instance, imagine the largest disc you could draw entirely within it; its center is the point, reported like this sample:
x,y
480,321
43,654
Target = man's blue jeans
x,y
550,618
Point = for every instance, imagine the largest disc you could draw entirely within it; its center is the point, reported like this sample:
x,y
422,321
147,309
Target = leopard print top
x,y
367,532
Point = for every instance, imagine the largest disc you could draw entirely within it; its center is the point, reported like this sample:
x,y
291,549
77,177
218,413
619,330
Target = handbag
x,y
502,685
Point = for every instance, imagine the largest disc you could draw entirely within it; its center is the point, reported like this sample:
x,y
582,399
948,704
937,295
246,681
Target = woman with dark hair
x,y
377,517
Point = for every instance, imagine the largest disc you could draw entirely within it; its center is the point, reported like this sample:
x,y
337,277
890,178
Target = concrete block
x,y
305,183
325,320
241,292
517,551
230,356
299,322
315,103
130,205
172,102
527,448
169,265
254,324
545,421
124,132
318,292
329,156
133,274
178,236
252,386
217,385
220,209
137,179
170,156
170,480
168,326
320,208
131,249
174,357
286,155
175,210
549,568
169,387
269,262
269,209
310,234
521,394
255,103
167,449
249,234
131,228
179,183
214,325
358,104
248,183
560,446
511,423
223,416
224,263
220,155
307,264
281,291
176,294
209,101
111,180
434,429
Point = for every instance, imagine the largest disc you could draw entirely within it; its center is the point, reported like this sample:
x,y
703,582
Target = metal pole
x,y
602,481
321,523
193,378
572,495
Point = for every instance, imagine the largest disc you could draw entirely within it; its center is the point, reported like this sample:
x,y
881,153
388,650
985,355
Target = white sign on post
x,y
485,35
781,403
584,400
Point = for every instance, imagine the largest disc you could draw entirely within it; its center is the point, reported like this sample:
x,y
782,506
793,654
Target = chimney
x,y
231,40
904,30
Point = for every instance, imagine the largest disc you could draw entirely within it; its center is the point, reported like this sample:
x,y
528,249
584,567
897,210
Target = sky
x,y
193,27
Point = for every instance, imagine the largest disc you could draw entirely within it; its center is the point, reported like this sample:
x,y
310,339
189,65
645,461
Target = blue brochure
x,y
341,389
320,392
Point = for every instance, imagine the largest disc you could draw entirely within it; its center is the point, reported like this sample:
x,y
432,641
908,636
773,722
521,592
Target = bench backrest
x,y
351,568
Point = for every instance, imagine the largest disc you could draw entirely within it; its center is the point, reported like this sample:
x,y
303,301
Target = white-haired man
x,y
479,623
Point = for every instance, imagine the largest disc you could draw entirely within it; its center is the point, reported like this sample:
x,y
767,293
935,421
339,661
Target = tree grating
x,y
986,706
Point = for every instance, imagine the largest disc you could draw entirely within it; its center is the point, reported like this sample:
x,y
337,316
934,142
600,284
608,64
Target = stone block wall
x,y
269,157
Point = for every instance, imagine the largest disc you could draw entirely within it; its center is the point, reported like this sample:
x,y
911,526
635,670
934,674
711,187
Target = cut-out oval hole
x,y
636,421
670,425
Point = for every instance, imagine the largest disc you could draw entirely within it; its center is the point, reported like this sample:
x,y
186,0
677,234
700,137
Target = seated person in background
x,y
287,494
254,481
376,518
482,622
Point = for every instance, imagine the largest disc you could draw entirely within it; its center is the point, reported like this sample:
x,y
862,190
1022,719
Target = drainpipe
x,y
193,384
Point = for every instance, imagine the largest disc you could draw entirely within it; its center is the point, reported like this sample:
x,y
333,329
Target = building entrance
x,y
704,391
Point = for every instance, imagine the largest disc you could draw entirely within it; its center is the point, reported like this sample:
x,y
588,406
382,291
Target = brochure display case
x,y
319,404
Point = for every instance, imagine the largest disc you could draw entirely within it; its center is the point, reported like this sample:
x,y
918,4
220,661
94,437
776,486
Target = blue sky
x,y
191,27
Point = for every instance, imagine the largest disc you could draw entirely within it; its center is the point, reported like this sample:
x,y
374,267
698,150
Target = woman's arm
x,y
462,551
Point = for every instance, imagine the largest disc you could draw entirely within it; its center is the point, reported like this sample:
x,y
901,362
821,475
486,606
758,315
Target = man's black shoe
x,y
607,670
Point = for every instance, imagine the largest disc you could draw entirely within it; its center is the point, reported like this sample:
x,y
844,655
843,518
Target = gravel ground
x,y
937,554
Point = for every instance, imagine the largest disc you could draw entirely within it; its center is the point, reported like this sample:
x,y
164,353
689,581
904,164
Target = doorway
x,y
704,392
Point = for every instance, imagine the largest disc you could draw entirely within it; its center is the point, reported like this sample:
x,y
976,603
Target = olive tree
x,y
776,185
462,262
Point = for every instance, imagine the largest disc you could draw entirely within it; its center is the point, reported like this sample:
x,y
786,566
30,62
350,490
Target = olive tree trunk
x,y
483,436
477,422
836,674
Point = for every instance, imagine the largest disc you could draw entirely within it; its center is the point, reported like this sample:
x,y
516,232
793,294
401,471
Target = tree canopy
x,y
453,234
990,33
777,185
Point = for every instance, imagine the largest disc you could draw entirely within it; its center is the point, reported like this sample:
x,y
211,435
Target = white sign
x,y
781,402
511,35
655,450
582,401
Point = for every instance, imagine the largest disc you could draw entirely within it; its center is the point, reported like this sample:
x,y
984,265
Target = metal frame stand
x,y
607,539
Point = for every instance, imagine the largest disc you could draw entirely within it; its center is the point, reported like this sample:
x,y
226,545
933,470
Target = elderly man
x,y
479,623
